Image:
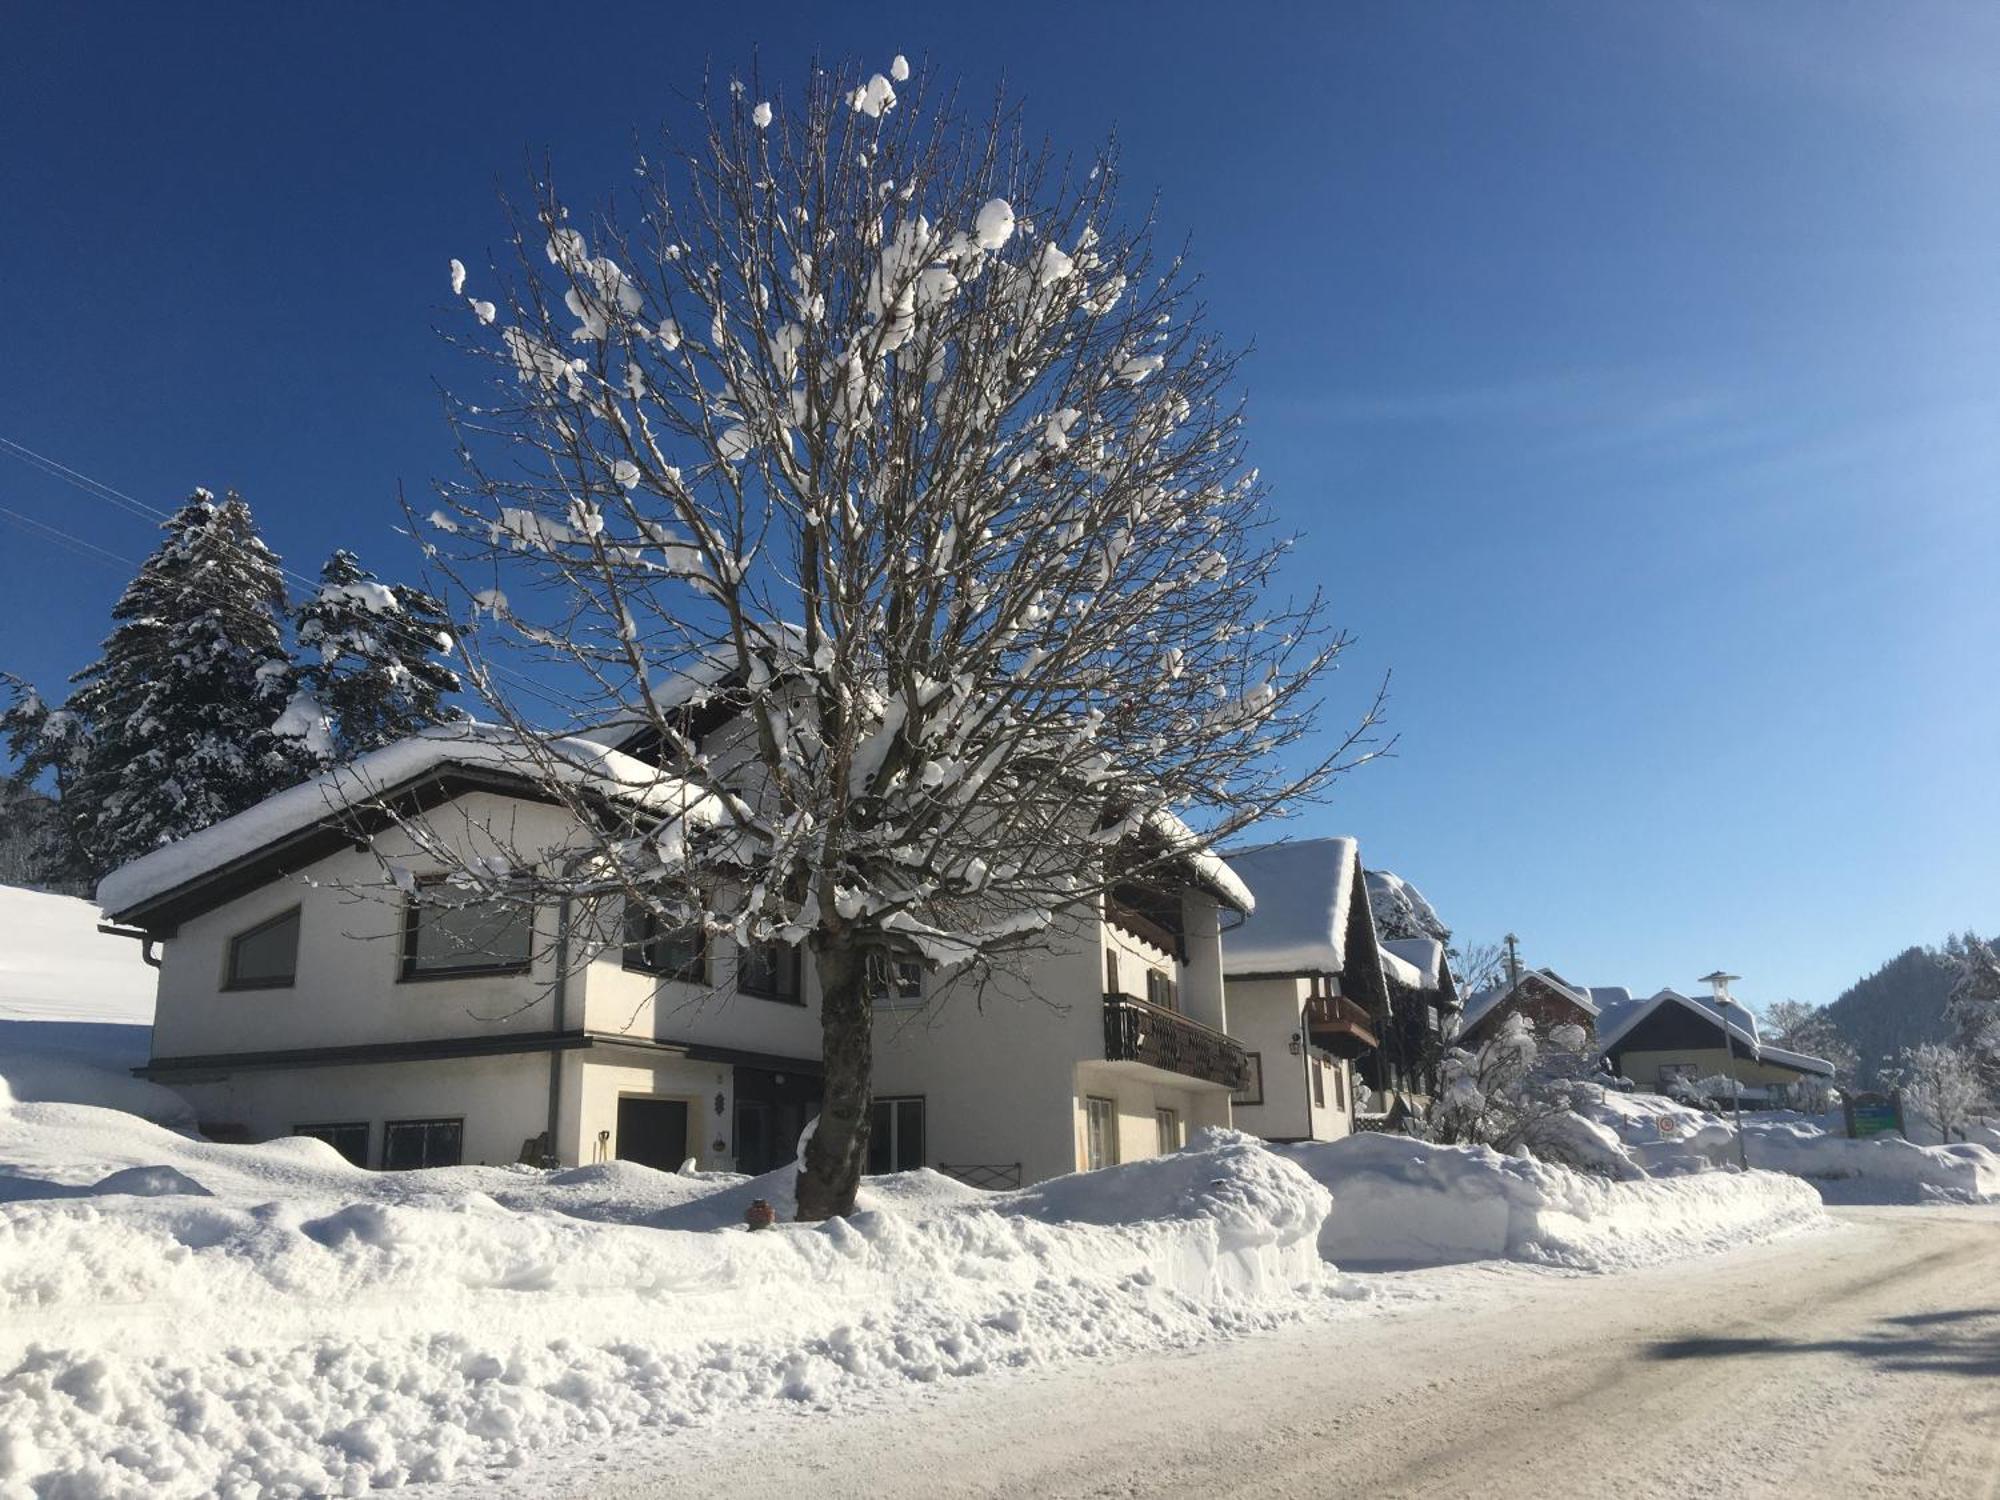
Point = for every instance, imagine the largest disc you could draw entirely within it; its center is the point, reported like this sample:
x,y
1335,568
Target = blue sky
x,y
1632,372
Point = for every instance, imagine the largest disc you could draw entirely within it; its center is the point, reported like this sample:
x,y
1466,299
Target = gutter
x,y
145,938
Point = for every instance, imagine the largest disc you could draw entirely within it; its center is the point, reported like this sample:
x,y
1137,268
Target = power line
x,y
65,539
111,495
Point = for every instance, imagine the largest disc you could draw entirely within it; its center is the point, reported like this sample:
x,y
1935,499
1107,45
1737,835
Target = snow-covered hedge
x,y
1403,1202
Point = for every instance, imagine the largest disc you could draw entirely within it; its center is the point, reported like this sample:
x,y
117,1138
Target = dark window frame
x,y
891,990
1255,1065
637,944
230,982
1161,990
409,973
320,1130
894,1103
791,961
426,1122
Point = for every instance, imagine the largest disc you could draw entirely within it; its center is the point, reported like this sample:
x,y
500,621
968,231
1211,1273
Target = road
x,y
1864,1361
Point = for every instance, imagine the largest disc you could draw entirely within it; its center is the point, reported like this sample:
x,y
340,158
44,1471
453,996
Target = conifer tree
x,y
172,727
369,662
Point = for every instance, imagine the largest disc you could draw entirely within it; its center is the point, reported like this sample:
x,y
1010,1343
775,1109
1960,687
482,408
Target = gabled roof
x,y
321,803
1303,892
1483,1004
1740,1024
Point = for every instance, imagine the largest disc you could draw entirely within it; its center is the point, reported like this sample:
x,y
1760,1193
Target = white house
x,y
1306,988
302,991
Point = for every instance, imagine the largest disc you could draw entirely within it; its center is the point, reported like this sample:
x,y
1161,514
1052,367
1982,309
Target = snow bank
x,y
76,1010
1403,1202
184,1318
1668,1138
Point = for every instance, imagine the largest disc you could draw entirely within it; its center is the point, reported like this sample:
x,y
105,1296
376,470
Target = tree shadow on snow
x,y
1949,1343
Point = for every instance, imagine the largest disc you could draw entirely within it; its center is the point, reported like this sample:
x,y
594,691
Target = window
x,y
1340,1087
1111,973
896,1136
896,980
654,945
1252,1091
267,956
422,1143
350,1140
1169,1123
769,970
448,933
1162,991
1100,1133
1319,1084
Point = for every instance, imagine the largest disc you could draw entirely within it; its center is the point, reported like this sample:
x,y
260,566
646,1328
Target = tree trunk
x,y
839,1147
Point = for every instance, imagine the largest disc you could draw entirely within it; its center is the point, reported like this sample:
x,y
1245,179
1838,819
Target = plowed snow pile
x,y
270,1320
1670,1138
1404,1202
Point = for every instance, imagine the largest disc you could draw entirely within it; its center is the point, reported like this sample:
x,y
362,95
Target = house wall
x,y
596,1079
996,1068
1265,1015
502,1100
628,1002
1645,1067
349,989
1138,1097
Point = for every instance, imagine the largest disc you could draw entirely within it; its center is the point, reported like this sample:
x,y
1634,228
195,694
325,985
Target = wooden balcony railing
x,y
1135,1031
1337,1025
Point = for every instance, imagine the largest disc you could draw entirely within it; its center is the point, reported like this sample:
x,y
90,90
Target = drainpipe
x,y
549,1157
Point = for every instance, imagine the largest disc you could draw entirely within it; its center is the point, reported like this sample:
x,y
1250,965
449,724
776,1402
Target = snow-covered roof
x,y
1210,869
1388,891
1425,955
1484,1003
1302,892
1607,996
1739,1022
583,764
1401,970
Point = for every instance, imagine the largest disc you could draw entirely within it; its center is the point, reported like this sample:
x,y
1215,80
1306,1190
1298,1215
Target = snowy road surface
x,y
1862,1362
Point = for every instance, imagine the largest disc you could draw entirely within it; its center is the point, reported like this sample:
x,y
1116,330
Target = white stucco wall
x,y
627,1002
1265,1016
349,989
597,1078
502,1100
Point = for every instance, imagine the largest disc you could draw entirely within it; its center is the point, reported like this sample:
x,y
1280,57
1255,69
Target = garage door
x,y
653,1132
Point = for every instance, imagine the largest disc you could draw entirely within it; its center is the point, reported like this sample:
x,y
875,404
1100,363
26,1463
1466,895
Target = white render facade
x,y
1105,1043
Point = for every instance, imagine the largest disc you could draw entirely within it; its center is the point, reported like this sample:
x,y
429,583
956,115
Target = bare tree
x,y
1940,1083
1798,1027
885,436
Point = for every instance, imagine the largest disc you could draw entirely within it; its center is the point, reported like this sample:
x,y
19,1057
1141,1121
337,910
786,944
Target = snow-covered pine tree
x,y
52,743
370,660
888,433
176,715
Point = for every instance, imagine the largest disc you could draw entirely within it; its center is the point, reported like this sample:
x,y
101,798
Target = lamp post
x,y
1719,983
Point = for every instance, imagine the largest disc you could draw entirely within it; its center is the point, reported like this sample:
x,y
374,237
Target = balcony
x,y
1337,1025
1138,1032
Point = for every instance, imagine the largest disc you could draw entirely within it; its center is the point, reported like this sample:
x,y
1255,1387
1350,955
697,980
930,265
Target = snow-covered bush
x,y
1521,1088
1940,1085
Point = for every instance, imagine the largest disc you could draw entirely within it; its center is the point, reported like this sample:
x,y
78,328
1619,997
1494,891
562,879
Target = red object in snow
x,y
760,1214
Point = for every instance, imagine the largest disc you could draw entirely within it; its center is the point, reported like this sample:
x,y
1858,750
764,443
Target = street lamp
x,y
1719,983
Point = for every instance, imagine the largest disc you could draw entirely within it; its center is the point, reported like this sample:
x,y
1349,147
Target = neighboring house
x,y
302,993
1542,996
1423,997
1306,989
1673,1036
